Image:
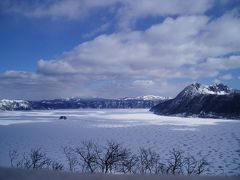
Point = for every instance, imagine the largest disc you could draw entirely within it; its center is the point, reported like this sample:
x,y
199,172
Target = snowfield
x,y
218,140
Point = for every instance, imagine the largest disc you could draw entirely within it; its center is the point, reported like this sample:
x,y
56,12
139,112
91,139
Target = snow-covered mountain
x,y
216,89
216,100
6,104
78,102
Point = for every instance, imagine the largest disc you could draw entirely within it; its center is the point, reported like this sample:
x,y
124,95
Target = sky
x,y
116,48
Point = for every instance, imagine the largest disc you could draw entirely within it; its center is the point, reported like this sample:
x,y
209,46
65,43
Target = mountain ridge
x,y
81,102
217,101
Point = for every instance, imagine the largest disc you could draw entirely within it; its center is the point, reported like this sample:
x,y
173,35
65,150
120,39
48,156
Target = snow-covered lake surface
x,y
218,140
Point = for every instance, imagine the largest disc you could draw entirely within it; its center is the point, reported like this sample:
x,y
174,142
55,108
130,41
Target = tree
x,y
56,166
193,166
88,156
175,162
111,157
71,158
149,161
36,159
13,155
129,164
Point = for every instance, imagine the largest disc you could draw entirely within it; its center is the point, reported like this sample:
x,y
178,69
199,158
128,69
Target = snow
x,y
218,140
147,97
152,97
13,103
216,89
205,90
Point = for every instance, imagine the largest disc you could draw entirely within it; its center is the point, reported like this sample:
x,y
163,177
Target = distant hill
x,y
10,105
218,101
76,102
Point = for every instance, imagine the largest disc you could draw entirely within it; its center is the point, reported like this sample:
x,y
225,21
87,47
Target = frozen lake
x,y
217,140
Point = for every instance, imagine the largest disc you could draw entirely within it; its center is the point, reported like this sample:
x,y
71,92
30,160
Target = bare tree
x,y
106,159
175,162
15,160
13,155
56,166
193,166
148,161
111,156
129,164
36,159
202,165
88,156
71,158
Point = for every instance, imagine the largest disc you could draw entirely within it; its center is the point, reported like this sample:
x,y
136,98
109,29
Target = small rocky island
x,y
63,117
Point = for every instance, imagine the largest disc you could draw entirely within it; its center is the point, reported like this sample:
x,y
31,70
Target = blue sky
x,y
113,48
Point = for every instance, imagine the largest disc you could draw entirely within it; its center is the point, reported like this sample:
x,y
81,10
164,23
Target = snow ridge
x,y
147,97
6,104
216,89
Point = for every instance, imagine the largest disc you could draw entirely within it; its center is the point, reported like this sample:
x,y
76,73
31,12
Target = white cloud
x,y
17,74
158,52
132,10
70,9
143,83
97,31
127,11
55,67
187,28
191,46
216,81
225,63
135,53
227,77
222,34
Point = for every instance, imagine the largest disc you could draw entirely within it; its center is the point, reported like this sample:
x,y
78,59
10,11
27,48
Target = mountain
x,y
9,105
218,101
76,102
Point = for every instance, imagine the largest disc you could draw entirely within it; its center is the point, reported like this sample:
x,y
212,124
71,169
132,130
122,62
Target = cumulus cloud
x,y
31,86
143,83
55,67
131,11
20,84
69,9
221,34
18,74
224,63
158,52
126,11
134,53
189,45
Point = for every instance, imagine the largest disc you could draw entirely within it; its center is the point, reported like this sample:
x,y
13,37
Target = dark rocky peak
x,y
199,89
220,88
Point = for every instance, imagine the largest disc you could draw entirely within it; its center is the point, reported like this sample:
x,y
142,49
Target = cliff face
x,y
74,103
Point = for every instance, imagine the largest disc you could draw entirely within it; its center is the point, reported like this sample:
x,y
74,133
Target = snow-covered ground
x,y
217,140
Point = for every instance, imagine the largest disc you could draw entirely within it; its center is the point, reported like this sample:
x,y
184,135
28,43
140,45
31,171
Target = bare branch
x,y
71,158
88,156
56,166
149,161
175,163
13,155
